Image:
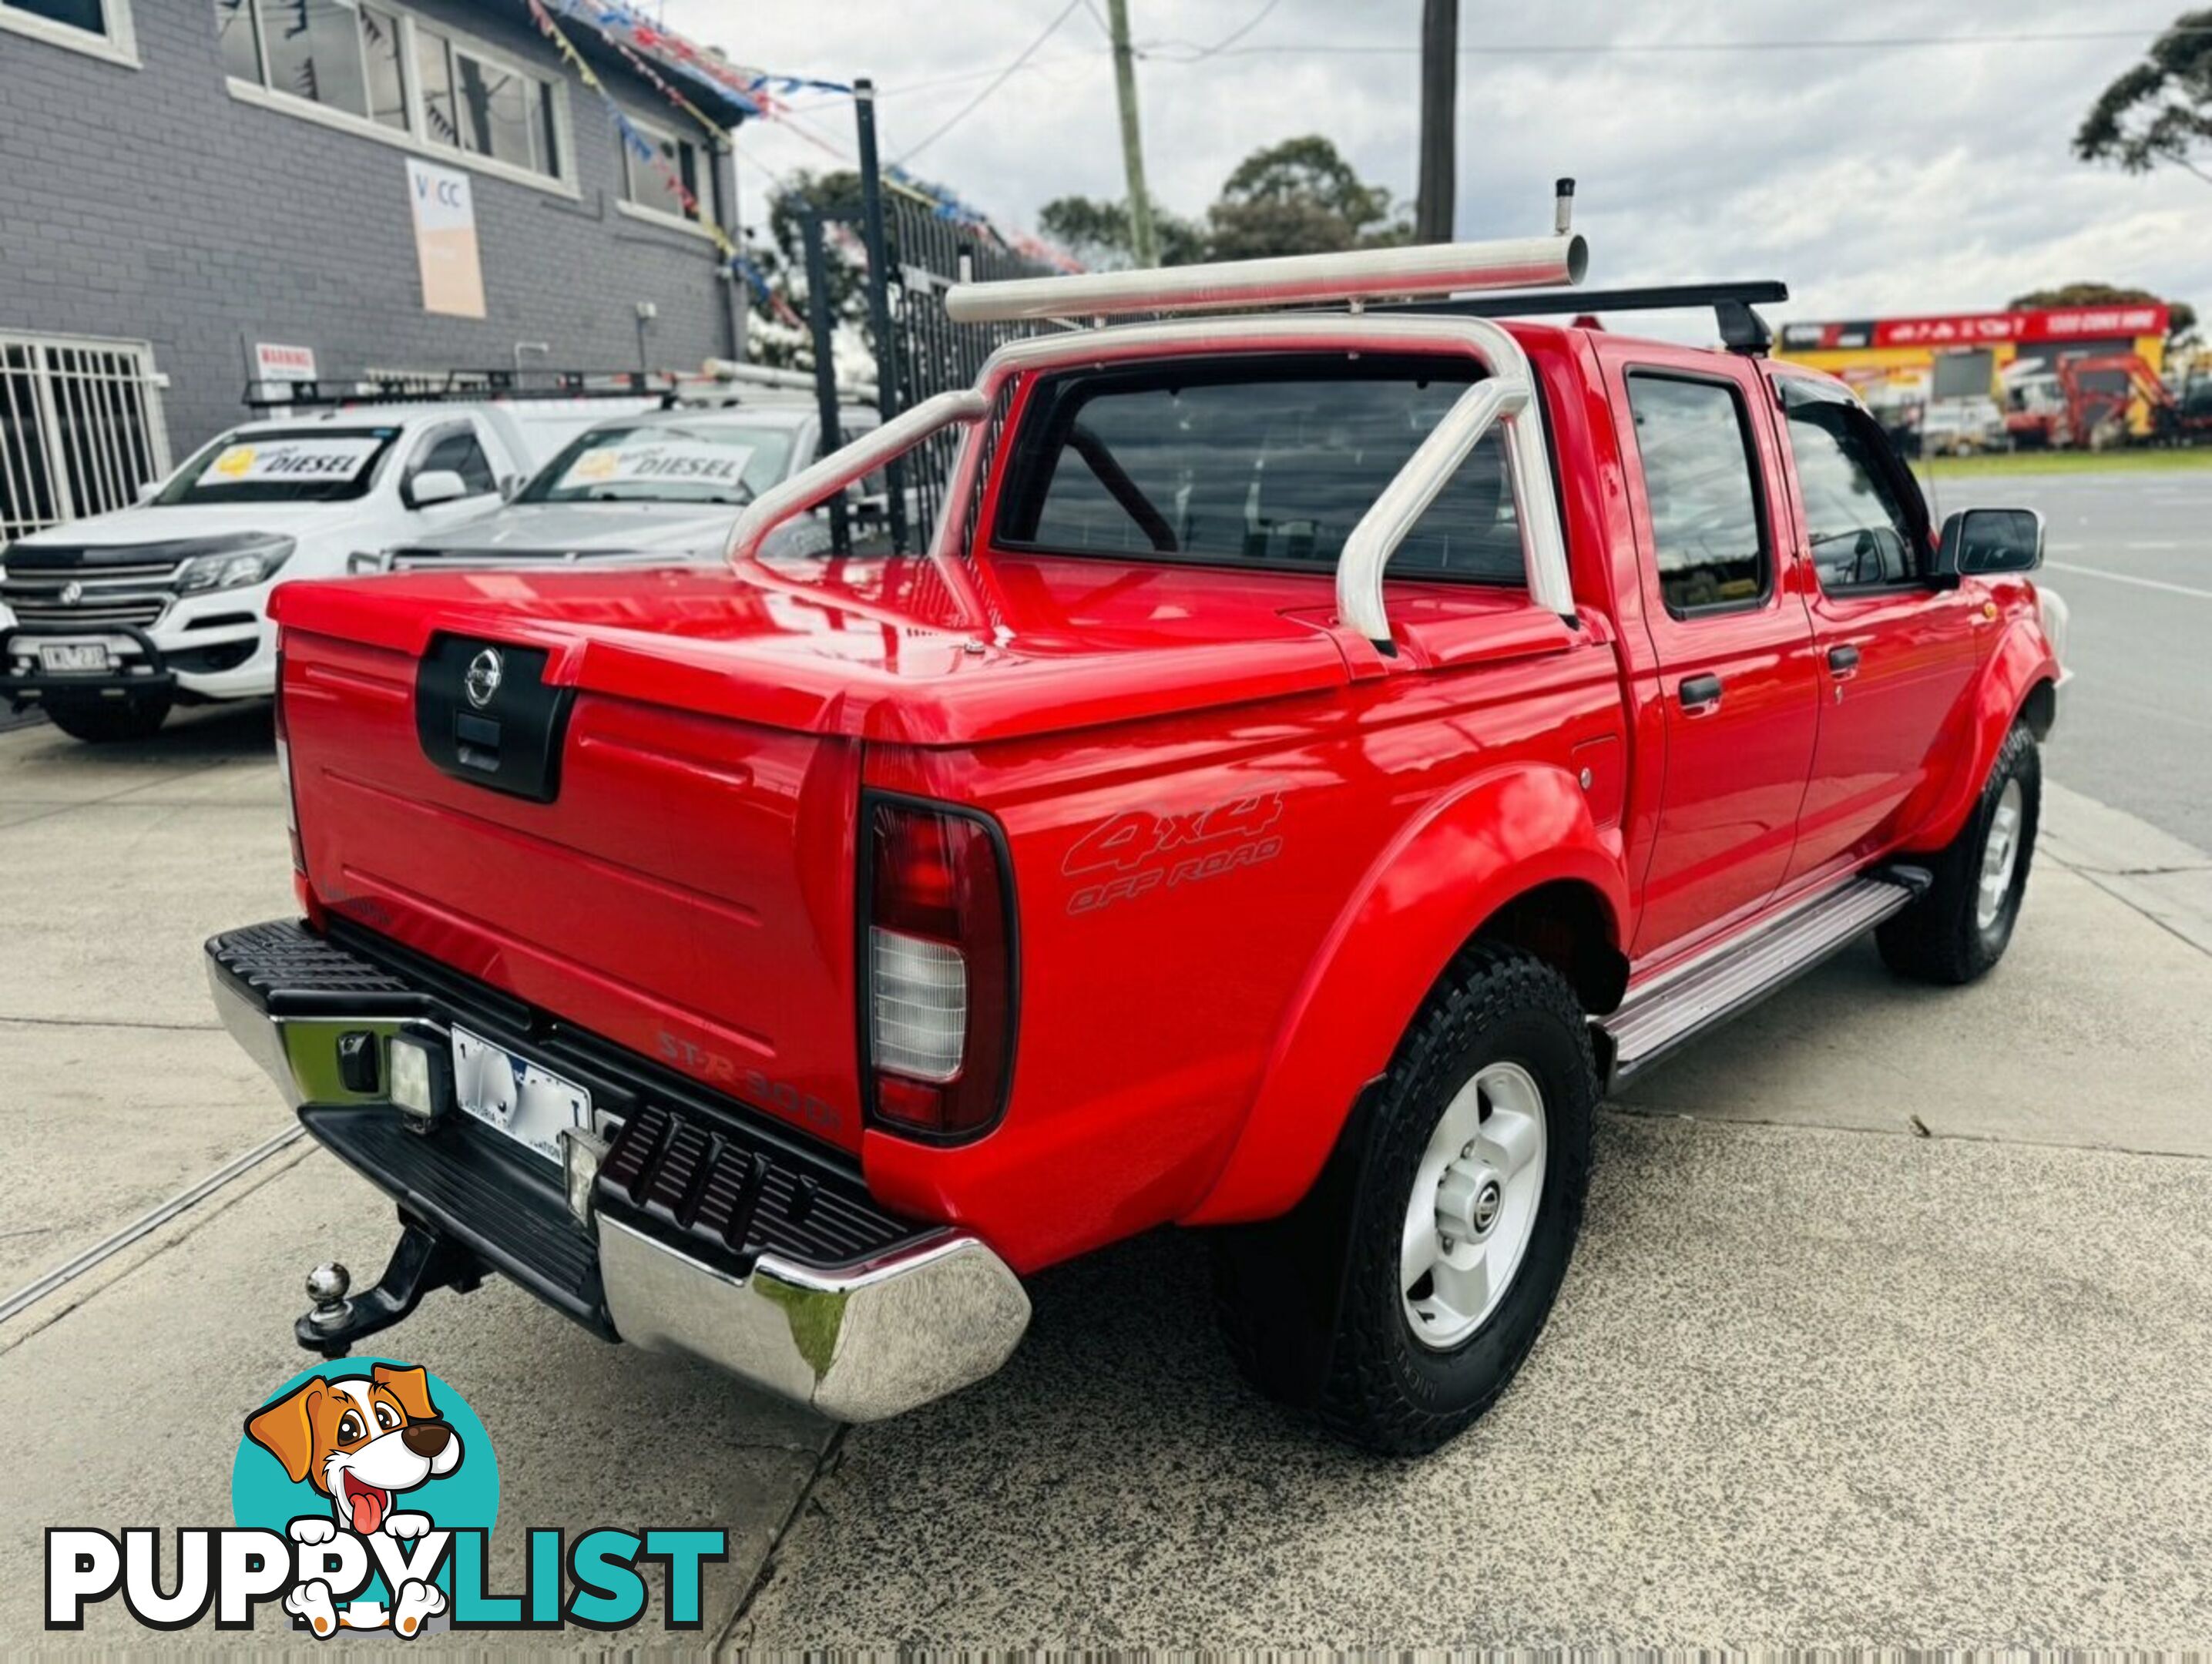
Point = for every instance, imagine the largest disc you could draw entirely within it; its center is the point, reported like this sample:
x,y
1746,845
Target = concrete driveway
x,y
1890,1323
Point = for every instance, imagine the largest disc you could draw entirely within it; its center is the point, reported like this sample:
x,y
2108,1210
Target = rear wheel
x,y
1962,925
101,721
1463,1216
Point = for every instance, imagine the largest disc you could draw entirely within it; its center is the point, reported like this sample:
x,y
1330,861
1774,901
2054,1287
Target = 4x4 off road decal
x,y
365,1494
1138,852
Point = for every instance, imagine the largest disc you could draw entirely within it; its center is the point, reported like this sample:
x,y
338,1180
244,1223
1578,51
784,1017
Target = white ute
x,y
110,622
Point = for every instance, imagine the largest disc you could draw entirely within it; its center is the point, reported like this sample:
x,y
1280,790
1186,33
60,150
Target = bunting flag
x,y
594,14
947,206
632,35
624,25
633,138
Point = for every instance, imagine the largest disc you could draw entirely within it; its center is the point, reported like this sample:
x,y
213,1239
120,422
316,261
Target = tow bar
x,y
423,1260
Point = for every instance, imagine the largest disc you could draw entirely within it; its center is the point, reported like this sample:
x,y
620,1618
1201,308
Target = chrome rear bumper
x,y
860,1341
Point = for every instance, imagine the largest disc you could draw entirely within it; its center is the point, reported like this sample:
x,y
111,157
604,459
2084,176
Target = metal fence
x,y
930,353
81,429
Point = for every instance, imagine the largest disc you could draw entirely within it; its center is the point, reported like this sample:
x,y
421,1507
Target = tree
x,y
2181,320
2161,111
1300,196
1099,234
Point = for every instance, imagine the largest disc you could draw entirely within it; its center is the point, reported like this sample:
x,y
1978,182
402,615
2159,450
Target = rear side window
x,y
1262,462
1860,528
458,451
1693,439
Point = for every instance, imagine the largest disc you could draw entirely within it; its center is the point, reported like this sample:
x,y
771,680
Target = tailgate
x,y
681,884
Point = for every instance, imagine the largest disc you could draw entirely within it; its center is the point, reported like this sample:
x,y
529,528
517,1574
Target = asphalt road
x,y
2131,553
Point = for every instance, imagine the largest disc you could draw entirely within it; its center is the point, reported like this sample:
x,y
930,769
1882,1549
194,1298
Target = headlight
x,y
236,569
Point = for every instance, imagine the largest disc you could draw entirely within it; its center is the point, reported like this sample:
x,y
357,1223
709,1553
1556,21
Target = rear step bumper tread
x,y
1652,1023
713,1233
678,1157
292,970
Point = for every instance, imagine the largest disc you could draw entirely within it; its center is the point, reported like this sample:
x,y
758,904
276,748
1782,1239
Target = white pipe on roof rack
x,y
769,375
1289,280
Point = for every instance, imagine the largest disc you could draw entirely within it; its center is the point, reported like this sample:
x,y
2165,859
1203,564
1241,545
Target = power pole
x,y
1432,210
1133,137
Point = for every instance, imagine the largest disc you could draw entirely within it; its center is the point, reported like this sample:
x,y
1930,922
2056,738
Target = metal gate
x,y
81,429
933,354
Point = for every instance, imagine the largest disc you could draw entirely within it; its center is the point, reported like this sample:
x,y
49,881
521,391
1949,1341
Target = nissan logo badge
x,y
482,680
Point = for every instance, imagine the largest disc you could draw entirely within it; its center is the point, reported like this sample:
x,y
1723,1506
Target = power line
x,y
1618,48
997,81
1198,52
2145,33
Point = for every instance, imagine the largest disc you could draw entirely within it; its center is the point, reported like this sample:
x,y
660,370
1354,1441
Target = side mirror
x,y
1978,542
438,485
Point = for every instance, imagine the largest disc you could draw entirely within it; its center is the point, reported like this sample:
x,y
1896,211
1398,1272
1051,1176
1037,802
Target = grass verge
x,y
2160,461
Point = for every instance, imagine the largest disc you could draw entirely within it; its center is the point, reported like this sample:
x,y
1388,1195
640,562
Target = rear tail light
x,y
938,967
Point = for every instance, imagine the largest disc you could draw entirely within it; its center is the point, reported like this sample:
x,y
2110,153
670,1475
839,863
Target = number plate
x,y
521,1100
62,657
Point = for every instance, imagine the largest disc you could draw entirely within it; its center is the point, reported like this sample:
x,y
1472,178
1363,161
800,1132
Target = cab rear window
x,y
1262,462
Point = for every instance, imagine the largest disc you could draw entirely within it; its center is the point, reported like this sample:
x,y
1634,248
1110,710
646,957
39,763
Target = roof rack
x,y
1356,276
502,383
1741,329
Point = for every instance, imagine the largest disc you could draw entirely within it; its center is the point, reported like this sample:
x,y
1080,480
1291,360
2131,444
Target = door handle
x,y
1700,695
1842,661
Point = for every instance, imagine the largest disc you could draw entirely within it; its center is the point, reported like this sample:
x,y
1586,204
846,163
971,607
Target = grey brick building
x,y
186,182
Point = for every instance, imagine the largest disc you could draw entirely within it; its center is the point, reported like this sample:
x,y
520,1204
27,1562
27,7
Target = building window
x,y
652,185
311,49
484,107
386,85
102,27
379,65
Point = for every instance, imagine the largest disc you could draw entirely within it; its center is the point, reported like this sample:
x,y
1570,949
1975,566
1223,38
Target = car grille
x,y
132,596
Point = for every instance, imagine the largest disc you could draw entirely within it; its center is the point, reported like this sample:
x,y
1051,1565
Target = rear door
x,y
1896,654
1729,631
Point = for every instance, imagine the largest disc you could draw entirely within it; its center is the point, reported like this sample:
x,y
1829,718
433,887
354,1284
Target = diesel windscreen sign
x,y
291,459
673,462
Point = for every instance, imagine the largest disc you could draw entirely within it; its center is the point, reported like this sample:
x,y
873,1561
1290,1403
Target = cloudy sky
x,y
1901,177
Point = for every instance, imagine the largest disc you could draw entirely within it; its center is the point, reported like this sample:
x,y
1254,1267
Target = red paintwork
x,y
1188,1047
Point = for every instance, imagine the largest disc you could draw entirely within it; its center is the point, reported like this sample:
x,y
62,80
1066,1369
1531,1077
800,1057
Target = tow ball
x,y
423,1260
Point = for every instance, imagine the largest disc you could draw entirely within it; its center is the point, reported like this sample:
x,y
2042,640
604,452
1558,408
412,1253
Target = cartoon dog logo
x,y
361,1440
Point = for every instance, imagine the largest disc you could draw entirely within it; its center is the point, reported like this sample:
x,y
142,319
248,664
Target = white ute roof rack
x,y
1505,398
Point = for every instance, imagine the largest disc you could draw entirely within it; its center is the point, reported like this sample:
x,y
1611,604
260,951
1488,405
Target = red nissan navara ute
x,y
1333,737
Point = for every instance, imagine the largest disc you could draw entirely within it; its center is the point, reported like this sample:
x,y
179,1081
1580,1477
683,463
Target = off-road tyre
x,y
105,721
1378,1387
1939,939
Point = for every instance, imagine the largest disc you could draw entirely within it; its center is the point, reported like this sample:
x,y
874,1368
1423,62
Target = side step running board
x,y
1653,1021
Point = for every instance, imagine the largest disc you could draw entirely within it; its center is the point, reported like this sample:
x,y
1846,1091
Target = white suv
x,y
110,622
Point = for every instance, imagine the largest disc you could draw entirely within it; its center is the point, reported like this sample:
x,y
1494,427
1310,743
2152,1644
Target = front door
x,y
1731,636
1896,655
